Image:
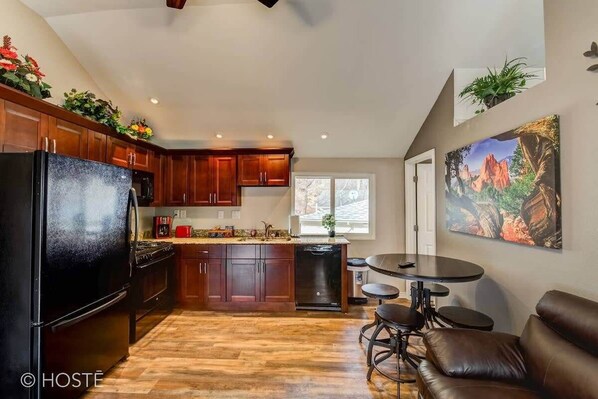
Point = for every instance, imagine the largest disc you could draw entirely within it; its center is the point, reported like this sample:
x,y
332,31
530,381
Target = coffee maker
x,y
162,226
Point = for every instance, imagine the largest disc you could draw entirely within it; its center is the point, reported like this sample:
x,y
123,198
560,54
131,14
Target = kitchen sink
x,y
277,239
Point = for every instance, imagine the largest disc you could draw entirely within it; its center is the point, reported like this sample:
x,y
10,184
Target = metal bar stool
x,y
403,322
380,292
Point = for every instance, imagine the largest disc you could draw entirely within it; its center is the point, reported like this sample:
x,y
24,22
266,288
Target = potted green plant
x,y
86,104
329,222
498,86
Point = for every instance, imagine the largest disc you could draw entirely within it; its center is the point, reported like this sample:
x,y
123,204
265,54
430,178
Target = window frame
x,y
333,176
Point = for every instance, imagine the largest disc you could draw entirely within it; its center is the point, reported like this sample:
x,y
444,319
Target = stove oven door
x,y
153,286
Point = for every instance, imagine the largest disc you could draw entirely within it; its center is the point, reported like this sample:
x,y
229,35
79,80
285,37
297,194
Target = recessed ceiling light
x,y
154,100
324,136
270,136
219,136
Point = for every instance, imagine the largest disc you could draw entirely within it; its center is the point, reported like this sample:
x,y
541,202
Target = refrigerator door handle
x,y
77,319
133,199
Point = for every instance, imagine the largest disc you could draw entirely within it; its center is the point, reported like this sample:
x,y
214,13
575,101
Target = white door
x,y
426,210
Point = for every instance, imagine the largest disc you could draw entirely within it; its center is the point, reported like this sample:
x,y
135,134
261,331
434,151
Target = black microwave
x,y
143,183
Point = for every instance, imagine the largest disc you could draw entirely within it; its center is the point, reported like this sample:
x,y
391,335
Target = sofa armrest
x,y
475,354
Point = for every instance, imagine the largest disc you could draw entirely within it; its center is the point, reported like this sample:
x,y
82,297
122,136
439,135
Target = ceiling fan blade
x,y
179,4
268,3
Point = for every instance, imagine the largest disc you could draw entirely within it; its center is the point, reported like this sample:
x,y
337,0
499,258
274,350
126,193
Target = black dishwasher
x,y
318,277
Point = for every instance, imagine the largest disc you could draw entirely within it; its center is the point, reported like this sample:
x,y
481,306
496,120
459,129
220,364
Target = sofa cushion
x,y
558,367
573,317
475,354
432,384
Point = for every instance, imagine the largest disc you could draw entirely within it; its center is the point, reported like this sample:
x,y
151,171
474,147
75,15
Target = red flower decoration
x,y
8,67
32,61
7,53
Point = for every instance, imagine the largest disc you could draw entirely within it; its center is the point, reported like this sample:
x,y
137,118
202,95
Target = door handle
x,y
54,145
46,144
134,158
184,198
215,198
86,315
210,201
265,177
261,178
205,270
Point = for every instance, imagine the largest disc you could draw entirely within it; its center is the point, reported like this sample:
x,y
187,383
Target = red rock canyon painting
x,y
507,187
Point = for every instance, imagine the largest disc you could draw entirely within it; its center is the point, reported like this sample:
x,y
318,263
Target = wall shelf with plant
x,y
498,86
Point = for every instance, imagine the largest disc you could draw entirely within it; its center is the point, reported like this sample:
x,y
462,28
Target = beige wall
x,y
274,205
517,276
32,35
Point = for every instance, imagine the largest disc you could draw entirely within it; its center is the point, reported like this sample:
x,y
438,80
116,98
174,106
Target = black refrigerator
x,y
65,268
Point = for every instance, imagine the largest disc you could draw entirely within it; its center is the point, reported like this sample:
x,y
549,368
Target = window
x,y
350,198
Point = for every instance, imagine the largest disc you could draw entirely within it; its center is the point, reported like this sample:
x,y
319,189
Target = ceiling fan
x,y
179,4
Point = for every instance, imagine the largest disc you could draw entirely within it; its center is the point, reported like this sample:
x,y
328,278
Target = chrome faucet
x,y
267,229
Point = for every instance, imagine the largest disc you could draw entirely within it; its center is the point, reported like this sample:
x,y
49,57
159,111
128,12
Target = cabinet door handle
x,y
265,177
184,198
210,201
46,144
215,198
135,159
205,270
54,146
259,267
261,177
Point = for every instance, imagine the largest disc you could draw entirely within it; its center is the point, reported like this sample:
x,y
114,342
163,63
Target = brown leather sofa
x,y
555,357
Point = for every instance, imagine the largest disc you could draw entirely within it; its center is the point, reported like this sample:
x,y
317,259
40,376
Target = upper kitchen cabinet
x,y
126,155
176,180
212,181
96,146
67,138
158,165
22,129
268,170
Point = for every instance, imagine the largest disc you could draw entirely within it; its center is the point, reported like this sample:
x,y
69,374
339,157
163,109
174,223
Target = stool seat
x,y
461,317
357,262
401,316
437,290
380,291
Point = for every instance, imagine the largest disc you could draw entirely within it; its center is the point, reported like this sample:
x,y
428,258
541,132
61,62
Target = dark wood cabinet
x,y
224,181
118,152
276,169
200,181
201,272
22,129
260,273
278,280
96,146
141,158
191,290
209,181
127,155
67,138
269,170
158,164
176,180
243,280
250,173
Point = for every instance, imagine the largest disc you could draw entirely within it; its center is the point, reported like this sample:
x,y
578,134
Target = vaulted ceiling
x,y
366,72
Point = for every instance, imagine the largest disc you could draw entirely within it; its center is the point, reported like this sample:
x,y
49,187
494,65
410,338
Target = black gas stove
x,y
148,251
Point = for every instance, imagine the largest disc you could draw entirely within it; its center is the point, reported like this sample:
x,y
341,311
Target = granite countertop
x,y
256,241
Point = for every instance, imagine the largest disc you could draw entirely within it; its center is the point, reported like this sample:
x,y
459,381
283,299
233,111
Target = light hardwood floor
x,y
250,355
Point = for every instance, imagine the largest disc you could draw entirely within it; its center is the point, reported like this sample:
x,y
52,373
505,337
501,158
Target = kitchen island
x,y
244,273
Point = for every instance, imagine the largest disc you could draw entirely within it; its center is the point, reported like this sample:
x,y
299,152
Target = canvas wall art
x,y
507,187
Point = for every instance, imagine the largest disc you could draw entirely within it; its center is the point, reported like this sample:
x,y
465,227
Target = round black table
x,y
427,268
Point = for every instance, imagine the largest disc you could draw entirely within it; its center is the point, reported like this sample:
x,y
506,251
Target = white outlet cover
x,y
236,214
184,214
177,213
220,214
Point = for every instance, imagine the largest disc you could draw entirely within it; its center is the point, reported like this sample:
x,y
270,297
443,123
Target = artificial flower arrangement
x,y
141,129
86,104
21,74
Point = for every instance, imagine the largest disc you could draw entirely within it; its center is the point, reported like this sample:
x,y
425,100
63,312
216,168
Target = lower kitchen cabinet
x,y
243,280
201,275
278,280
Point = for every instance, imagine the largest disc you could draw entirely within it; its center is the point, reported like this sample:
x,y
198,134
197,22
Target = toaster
x,y
183,232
